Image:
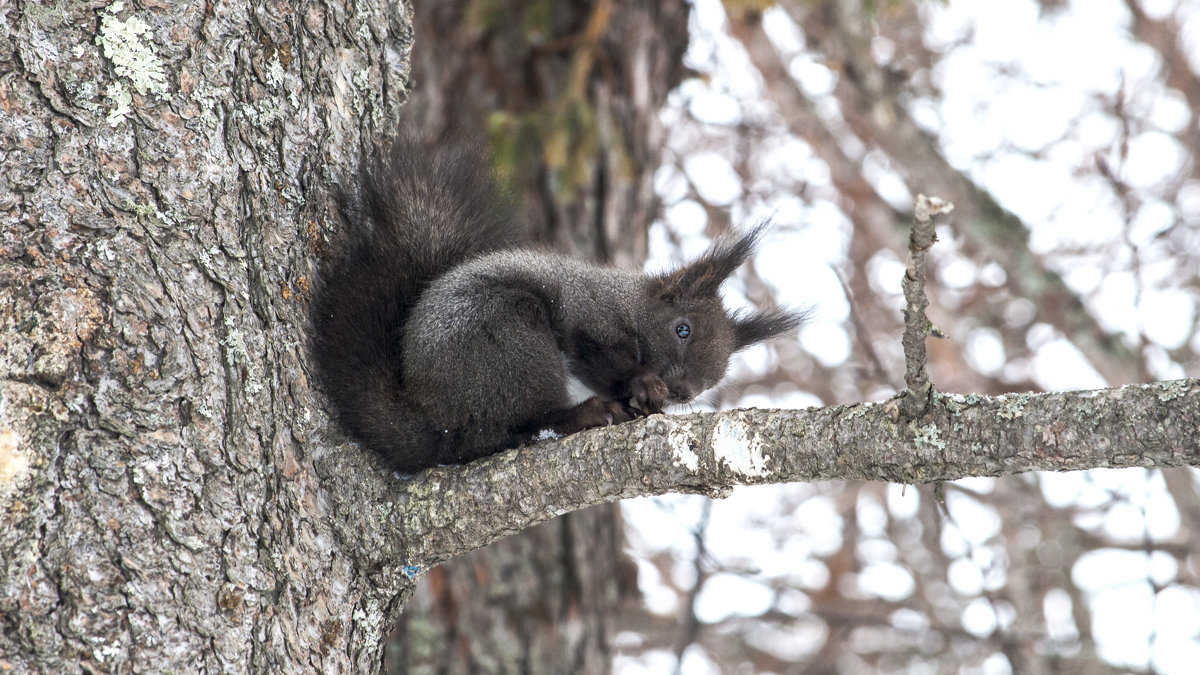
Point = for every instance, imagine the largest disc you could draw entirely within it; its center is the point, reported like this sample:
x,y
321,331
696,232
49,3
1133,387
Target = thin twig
x,y
691,623
916,326
878,370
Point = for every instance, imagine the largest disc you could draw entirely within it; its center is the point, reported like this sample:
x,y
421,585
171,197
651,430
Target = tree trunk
x,y
165,181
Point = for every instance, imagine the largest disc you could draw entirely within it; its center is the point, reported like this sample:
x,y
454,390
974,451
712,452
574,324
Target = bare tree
x,y
843,108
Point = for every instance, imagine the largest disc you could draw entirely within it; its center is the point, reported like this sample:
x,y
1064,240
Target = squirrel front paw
x,y
594,412
600,412
648,393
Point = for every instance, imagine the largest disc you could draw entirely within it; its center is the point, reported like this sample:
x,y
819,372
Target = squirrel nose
x,y
681,393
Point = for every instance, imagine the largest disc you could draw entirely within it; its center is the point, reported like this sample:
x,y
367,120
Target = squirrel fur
x,y
441,334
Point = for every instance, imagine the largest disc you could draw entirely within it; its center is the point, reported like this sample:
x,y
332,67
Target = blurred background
x,y
1065,133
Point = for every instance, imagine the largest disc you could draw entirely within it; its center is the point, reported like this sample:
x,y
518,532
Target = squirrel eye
x,y
683,331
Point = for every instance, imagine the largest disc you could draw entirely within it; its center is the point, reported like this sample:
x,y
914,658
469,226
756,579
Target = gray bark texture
x,y
166,175
172,498
1152,425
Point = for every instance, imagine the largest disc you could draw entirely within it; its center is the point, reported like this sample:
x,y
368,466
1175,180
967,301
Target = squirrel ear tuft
x,y
703,276
749,329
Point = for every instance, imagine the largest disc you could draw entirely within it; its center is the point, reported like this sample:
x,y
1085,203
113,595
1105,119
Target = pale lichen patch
x,y
13,462
1012,406
929,437
680,440
741,449
275,71
133,59
362,78
1172,390
369,618
120,98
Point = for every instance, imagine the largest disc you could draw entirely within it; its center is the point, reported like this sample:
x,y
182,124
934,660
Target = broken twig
x,y
916,325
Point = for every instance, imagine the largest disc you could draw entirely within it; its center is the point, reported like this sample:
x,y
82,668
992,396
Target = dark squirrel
x,y
442,335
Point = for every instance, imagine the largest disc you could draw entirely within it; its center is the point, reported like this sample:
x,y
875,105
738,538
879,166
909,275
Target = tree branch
x,y
419,521
916,325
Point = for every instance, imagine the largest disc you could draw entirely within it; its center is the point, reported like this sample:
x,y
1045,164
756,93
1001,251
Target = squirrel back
x,y
440,336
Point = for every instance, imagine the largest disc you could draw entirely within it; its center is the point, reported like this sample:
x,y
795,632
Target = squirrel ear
x,y
703,276
762,325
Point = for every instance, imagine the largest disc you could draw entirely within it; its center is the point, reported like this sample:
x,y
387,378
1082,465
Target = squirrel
x,y
442,334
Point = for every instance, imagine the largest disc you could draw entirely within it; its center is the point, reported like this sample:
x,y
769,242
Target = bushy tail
x,y
417,210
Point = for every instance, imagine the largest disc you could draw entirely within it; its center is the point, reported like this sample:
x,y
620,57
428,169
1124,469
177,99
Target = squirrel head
x,y
692,333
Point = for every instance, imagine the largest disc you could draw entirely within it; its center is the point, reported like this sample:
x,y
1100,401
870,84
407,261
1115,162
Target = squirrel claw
x,y
649,394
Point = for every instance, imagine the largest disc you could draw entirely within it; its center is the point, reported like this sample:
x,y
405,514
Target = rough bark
x,y
1151,425
166,172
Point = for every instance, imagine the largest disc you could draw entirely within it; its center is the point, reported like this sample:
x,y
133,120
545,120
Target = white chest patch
x,y
577,391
